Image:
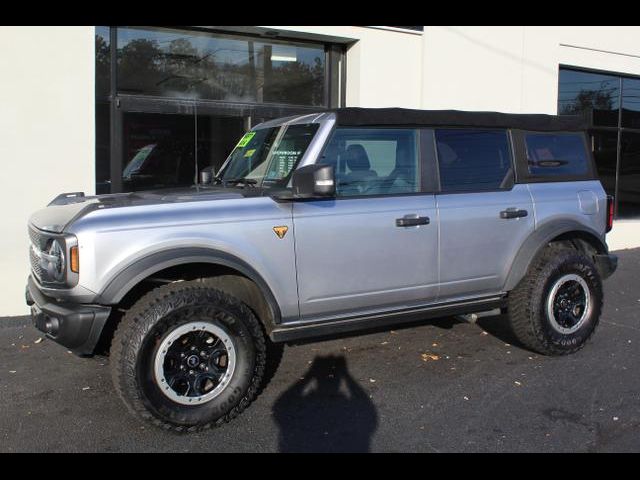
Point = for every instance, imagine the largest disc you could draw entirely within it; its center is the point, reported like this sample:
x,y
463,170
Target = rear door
x,y
484,217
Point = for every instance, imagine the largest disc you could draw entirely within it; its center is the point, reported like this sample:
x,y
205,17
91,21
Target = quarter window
x,y
556,154
473,160
374,161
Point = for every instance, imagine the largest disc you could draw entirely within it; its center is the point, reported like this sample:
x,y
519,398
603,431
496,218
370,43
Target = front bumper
x,y
74,325
606,264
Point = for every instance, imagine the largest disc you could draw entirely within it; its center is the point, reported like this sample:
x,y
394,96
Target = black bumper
x,y
73,325
606,264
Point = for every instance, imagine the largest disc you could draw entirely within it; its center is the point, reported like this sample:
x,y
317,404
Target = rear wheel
x,y
556,307
188,357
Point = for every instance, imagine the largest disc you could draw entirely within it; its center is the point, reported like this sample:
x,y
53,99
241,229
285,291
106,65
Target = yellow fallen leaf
x,y
429,356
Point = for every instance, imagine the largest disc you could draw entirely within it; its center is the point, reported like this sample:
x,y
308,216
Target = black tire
x,y
528,308
152,319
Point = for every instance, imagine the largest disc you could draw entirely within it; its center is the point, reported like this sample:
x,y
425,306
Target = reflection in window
x,y
473,160
629,176
556,154
374,161
605,149
631,102
589,93
198,65
103,61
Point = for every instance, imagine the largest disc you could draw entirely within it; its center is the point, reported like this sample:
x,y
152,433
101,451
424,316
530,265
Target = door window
x,y
374,161
473,160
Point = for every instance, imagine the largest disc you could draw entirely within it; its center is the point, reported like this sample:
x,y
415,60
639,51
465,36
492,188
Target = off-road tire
x,y
527,302
154,316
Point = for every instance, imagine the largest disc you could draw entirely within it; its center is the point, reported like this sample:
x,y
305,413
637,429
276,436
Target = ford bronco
x,y
323,223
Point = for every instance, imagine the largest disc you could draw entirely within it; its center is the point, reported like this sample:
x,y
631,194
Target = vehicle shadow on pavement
x,y
325,411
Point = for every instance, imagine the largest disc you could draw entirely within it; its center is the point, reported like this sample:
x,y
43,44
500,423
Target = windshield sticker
x,y
250,153
245,139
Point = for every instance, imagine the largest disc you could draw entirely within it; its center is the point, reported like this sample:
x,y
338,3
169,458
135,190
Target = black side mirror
x,y
314,181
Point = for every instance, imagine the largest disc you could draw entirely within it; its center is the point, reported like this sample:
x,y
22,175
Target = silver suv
x,y
324,223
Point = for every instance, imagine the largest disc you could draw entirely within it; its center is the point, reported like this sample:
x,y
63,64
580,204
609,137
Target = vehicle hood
x,y
66,208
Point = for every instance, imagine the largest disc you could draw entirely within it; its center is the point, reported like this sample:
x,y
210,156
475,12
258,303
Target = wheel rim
x,y
569,303
194,363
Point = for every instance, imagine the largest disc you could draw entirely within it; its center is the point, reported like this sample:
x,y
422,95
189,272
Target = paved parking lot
x,y
443,386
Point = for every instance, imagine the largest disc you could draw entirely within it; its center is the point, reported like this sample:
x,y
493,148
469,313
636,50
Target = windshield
x,y
266,157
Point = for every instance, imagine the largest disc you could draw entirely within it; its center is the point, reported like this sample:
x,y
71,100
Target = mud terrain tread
x,y
524,300
132,330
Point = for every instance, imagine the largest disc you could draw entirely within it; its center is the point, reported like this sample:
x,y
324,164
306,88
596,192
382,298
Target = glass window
x,y
592,93
174,63
103,148
605,151
629,176
473,160
556,154
158,151
631,102
374,161
103,62
267,156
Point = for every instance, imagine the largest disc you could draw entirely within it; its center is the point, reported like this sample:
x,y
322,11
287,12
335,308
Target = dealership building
x,y
84,108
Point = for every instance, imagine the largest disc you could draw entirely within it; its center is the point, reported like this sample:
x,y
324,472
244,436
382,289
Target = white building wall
x,y
46,135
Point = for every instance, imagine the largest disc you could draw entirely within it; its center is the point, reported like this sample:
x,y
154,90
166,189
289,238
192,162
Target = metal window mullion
x,y
115,120
618,149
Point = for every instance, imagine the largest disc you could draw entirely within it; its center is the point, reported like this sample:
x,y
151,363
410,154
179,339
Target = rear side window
x,y
473,160
550,154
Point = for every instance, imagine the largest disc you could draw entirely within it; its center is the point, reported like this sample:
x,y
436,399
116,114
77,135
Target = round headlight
x,y
55,261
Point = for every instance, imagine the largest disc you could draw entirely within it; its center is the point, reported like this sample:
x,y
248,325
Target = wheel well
x,y
224,278
581,241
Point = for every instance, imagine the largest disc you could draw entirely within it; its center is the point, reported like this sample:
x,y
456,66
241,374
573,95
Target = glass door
x,y
165,144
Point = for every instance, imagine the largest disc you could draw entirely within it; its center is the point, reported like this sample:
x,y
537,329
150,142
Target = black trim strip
x,y
290,333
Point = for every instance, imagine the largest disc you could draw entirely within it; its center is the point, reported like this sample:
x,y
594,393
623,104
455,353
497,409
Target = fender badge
x,y
281,231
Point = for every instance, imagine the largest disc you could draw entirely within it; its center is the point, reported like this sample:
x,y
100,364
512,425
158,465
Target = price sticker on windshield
x,y
245,139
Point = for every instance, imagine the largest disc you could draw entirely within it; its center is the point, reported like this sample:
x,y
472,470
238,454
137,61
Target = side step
x,y
299,331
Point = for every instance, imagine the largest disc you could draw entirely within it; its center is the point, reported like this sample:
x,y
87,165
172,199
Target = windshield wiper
x,y
244,180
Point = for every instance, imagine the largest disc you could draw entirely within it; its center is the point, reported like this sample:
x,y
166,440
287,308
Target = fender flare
x,y
134,273
539,239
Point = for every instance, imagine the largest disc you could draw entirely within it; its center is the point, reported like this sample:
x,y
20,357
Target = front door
x,y
375,246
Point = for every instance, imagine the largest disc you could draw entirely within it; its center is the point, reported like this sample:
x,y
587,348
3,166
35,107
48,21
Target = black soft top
x,y
352,117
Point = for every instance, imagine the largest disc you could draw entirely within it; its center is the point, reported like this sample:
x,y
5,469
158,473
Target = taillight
x,y
610,206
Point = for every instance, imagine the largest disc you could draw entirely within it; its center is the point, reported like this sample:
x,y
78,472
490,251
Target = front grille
x,y
39,242
35,264
38,238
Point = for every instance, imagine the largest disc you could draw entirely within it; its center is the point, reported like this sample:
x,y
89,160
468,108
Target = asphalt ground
x,y
442,386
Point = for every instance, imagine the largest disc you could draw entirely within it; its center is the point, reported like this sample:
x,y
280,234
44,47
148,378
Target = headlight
x,y
53,261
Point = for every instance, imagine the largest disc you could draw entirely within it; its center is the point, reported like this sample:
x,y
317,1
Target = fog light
x,y
51,326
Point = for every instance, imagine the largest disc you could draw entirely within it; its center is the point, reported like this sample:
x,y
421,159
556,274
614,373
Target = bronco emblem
x,y
281,231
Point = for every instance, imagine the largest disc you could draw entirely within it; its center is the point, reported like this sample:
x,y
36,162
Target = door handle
x,y
412,221
513,213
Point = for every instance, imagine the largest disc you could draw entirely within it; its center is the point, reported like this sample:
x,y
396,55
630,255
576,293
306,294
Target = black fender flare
x,y
540,238
134,273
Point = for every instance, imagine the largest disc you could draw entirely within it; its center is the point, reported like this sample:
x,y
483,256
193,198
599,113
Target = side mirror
x,y
314,181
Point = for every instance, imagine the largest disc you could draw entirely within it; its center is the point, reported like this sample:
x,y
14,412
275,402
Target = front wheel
x,y
188,357
556,307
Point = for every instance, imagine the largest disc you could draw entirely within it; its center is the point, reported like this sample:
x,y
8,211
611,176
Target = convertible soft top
x,y
352,116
